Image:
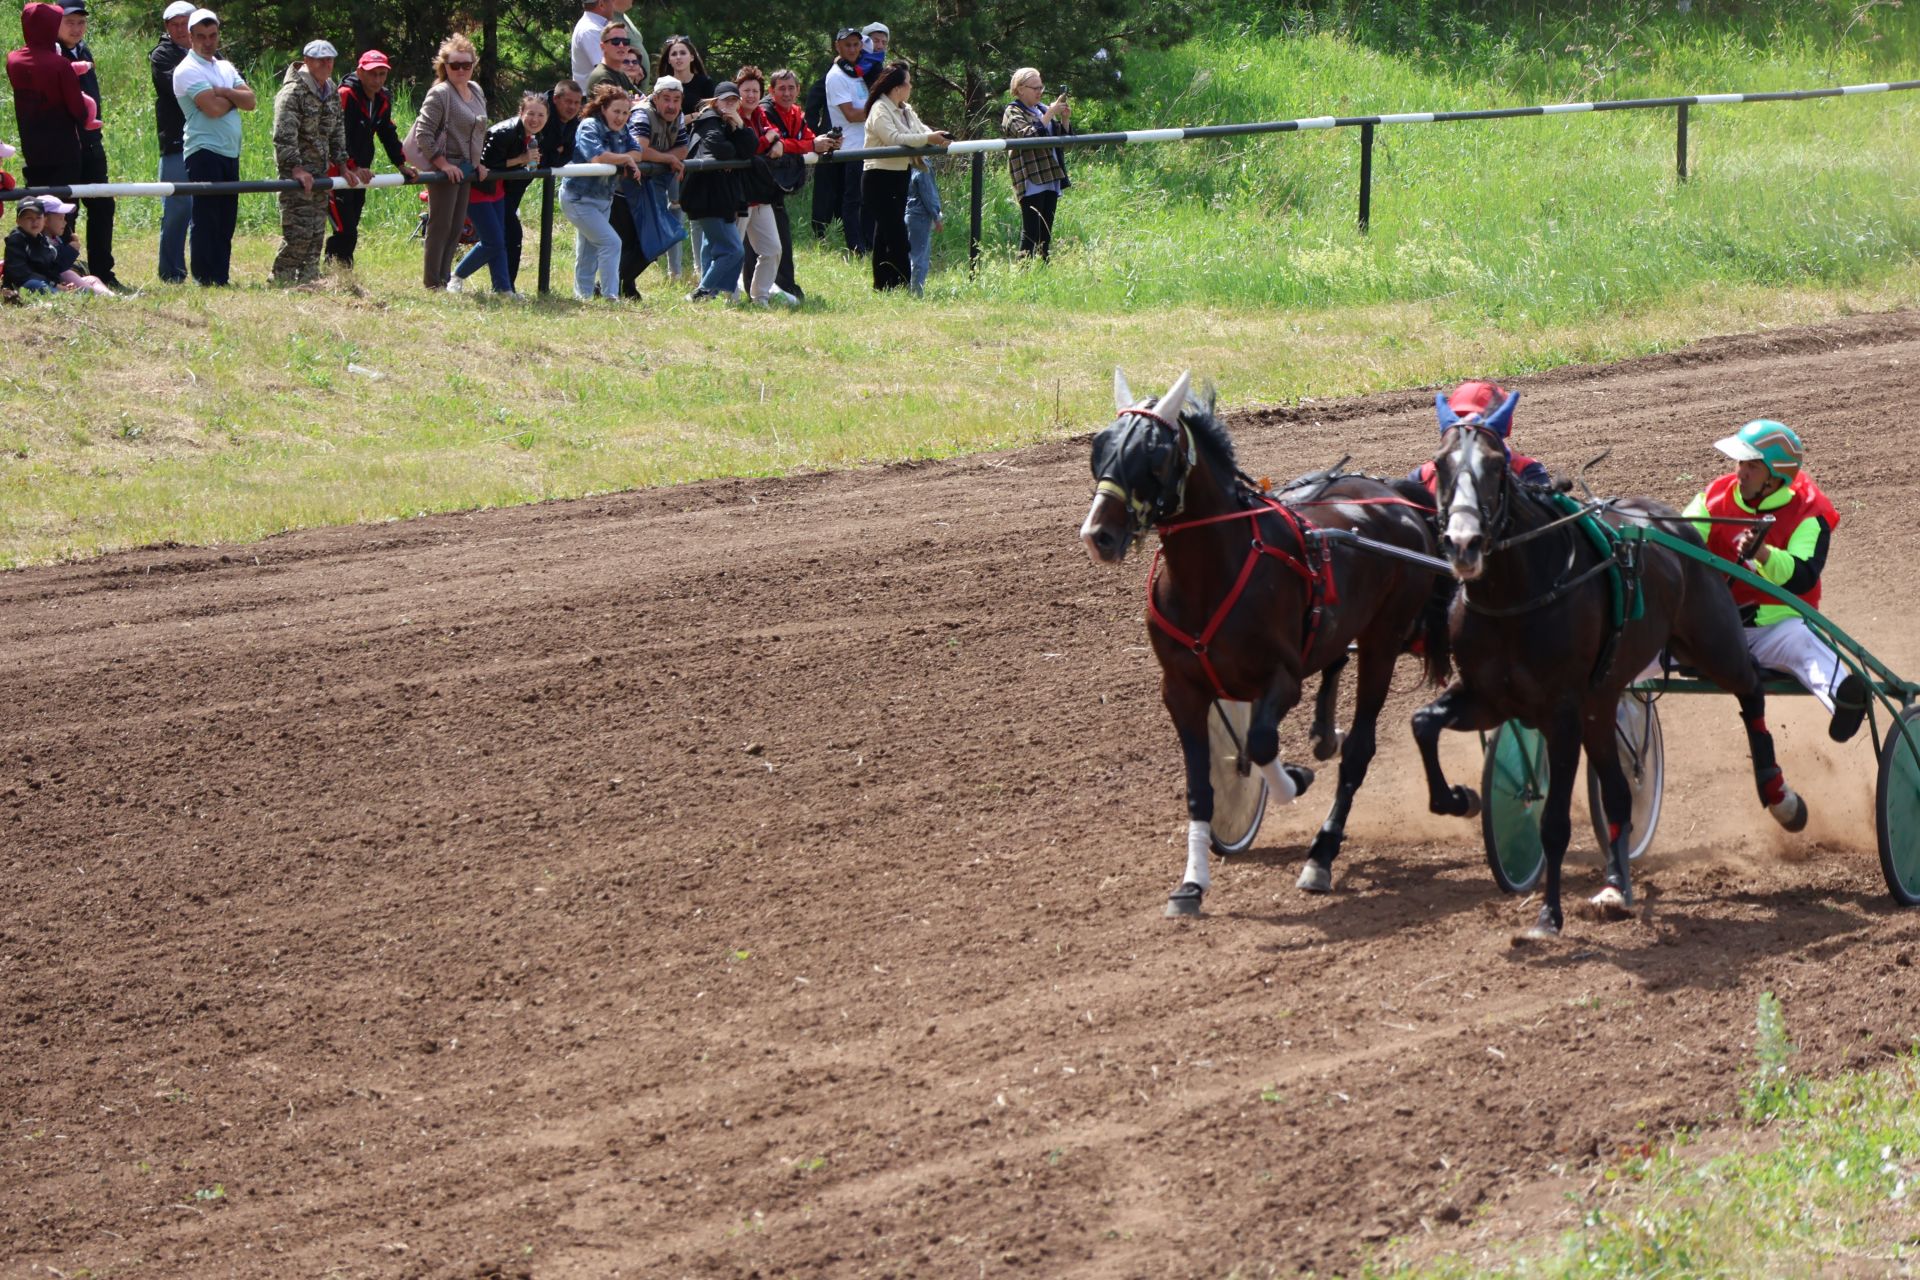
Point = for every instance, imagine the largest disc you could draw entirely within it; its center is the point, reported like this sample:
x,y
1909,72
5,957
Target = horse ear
x,y
1444,411
1500,421
1122,394
1176,398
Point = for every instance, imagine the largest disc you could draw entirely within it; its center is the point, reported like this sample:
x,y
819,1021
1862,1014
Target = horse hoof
x,y
1790,811
1315,878
1469,801
1185,901
1327,748
1611,904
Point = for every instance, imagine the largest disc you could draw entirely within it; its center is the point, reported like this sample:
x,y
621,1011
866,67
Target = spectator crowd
x,y
723,233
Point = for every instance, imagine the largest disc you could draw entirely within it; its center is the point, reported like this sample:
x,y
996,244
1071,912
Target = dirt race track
x,y
764,879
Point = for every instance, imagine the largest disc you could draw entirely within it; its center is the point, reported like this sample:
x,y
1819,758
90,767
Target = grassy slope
x,y
1497,247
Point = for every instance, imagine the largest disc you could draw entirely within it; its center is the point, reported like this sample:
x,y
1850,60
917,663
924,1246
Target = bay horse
x,y
1246,602
1535,640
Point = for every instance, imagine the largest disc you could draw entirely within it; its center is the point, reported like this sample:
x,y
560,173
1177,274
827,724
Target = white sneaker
x,y
782,296
456,285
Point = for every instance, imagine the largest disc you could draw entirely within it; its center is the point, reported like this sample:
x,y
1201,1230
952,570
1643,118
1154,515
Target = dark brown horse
x,y
1534,640
1247,600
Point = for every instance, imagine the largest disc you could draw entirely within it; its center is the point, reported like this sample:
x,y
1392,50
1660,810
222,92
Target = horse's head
x,y
1470,480
1140,465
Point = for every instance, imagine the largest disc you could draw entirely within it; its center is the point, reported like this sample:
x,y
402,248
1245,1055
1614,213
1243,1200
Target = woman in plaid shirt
x,y
1039,173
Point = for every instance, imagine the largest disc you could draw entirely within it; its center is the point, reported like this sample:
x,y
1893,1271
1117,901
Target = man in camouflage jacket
x,y
309,133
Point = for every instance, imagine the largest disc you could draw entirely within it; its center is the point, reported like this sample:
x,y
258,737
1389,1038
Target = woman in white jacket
x,y
883,190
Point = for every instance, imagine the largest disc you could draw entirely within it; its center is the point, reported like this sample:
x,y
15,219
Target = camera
x,y
835,132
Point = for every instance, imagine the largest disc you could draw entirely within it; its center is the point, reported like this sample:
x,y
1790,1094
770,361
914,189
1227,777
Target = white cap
x,y
319,49
178,9
6,152
872,27
669,82
202,15
54,204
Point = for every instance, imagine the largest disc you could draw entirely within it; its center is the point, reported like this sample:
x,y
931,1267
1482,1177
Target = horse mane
x,y
1210,434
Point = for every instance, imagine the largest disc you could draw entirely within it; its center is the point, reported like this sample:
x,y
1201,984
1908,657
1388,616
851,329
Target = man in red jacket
x,y
47,101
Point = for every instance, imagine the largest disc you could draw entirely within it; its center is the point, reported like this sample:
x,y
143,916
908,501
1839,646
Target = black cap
x,y
74,6
844,32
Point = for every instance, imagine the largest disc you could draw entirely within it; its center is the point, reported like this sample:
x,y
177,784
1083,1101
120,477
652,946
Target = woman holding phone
x,y
1039,173
891,122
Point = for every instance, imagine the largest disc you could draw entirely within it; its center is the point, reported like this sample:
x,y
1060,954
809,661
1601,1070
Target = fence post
x,y
546,235
1680,144
973,222
1366,177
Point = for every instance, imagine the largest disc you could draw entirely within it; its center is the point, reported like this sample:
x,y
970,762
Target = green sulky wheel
x,y
1239,792
1513,786
1896,808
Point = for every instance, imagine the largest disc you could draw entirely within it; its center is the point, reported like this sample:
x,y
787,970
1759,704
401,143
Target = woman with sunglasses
x,y
450,137
1040,174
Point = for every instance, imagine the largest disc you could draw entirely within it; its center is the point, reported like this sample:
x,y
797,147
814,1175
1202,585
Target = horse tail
x,y
1439,637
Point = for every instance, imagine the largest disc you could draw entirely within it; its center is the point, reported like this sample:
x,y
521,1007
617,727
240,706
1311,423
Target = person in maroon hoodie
x,y
47,101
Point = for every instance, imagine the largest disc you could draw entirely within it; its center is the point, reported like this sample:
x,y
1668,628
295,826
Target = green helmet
x,y
1774,444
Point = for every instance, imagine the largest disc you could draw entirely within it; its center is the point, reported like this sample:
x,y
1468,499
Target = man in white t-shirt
x,y
594,16
847,110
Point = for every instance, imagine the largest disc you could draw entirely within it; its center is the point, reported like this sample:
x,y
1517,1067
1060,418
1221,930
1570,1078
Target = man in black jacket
x,y
368,108
176,213
564,102
93,148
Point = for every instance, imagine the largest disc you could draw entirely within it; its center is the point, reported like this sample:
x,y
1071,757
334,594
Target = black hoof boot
x,y
1461,802
1849,708
1185,901
1301,775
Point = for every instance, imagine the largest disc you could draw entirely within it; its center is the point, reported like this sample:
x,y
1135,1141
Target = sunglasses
x,y
459,66
619,42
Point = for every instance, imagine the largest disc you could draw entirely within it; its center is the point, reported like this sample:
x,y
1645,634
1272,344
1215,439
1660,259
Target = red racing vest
x,y
1723,504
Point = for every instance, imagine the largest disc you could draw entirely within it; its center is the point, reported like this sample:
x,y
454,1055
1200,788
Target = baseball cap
x,y
872,27
669,82
373,58
1476,397
74,6
844,32
202,15
319,49
726,89
178,9
30,205
54,204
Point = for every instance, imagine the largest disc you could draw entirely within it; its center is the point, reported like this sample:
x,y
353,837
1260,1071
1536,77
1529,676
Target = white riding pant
x,y
1793,647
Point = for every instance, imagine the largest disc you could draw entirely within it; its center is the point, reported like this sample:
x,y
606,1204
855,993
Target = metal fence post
x,y
1680,144
1366,177
973,223
546,235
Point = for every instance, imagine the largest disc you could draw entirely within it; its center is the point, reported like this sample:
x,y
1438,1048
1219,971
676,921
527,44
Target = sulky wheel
x,y
1896,807
1239,792
1643,755
1513,787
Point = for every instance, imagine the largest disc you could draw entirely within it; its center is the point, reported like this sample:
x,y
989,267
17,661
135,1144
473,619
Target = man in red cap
x,y
1488,406
368,108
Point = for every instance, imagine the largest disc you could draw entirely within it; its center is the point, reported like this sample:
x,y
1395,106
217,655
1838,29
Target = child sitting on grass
x,y
67,245
32,262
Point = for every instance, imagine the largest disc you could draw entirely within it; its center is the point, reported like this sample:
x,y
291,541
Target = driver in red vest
x,y
1790,553
1483,404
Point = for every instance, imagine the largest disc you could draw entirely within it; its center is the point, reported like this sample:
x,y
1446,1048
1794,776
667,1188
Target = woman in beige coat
x,y
449,136
883,189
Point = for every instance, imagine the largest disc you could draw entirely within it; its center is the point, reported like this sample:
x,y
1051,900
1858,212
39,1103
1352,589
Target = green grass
x,y
1822,1181
1504,247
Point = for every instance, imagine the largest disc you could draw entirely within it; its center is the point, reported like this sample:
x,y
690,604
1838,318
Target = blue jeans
x,y
721,256
489,219
597,246
210,247
176,215
919,249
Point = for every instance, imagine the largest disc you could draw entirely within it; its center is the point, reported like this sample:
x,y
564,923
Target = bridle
x,y
1142,515
1493,525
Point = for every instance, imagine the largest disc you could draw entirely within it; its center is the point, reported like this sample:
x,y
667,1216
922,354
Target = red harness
x,y
1318,577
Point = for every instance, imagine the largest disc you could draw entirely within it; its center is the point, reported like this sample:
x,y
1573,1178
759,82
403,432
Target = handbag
x,y
659,230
